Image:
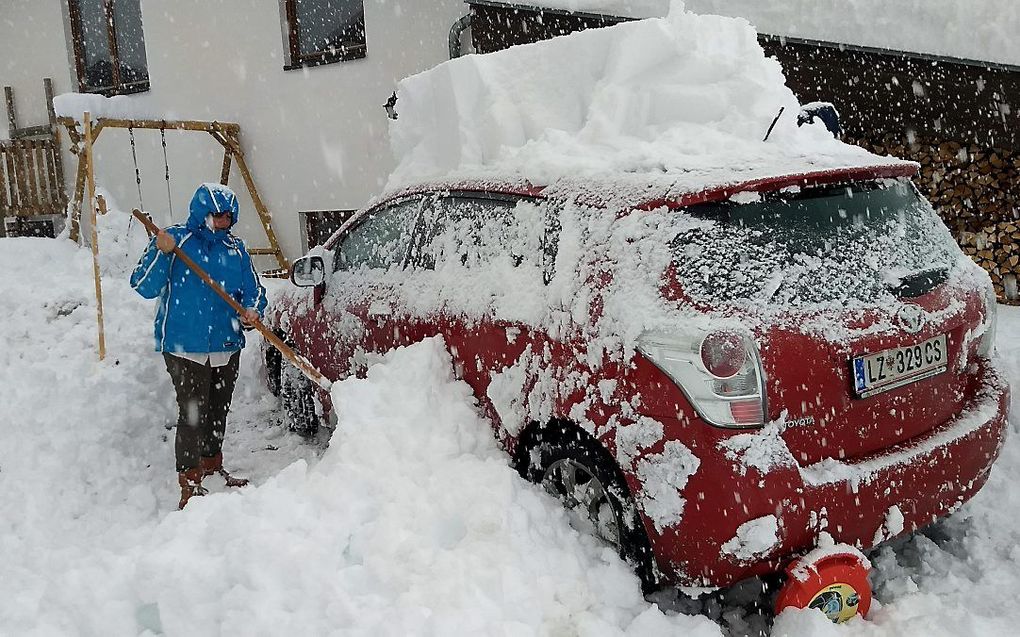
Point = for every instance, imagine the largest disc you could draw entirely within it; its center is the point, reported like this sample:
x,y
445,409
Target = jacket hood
x,y
211,198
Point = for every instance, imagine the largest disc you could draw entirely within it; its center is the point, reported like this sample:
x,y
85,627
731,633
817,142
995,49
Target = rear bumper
x,y
863,502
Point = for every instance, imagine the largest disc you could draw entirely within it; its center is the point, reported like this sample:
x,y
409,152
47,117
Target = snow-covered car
x,y
712,379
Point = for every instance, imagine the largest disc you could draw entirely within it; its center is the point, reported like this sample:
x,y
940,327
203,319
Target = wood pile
x,y
976,191
996,248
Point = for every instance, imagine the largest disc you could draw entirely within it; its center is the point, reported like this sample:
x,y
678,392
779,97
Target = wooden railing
x,y
31,179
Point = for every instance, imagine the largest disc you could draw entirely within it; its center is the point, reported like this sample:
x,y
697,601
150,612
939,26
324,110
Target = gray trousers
x,y
203,399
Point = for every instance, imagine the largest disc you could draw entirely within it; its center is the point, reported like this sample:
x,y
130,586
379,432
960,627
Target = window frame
x,y
298,60
312,222
78,47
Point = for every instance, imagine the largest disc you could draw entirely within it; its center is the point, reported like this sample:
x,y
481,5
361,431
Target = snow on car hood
x,y
688,97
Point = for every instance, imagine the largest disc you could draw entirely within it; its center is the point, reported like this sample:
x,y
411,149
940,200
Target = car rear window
x,y
818,246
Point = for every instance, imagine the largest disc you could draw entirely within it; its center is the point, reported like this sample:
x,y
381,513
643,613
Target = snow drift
x,y
412,521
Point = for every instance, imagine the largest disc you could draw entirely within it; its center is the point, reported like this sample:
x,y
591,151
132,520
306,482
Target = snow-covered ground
x,y
410,522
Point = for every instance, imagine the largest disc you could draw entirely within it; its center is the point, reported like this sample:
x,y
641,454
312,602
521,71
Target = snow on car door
x,y
477,277
368,264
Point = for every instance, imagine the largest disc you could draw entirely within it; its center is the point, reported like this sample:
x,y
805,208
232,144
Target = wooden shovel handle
x,y
296,359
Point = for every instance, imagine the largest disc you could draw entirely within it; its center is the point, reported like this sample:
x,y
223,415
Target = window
x,y
324,31
381,240
317,226
109,49
825,245
476,232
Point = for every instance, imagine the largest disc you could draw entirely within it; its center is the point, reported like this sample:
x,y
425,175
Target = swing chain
x,y
134,159
166,166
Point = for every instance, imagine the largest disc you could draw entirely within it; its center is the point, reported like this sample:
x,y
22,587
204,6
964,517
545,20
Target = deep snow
x,y
684,101
411,522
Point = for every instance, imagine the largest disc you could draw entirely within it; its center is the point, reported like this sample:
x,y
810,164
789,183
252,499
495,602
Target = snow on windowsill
x,y
75,105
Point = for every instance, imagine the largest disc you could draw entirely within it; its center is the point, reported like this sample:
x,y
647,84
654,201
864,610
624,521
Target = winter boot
x,y
191,485
214,464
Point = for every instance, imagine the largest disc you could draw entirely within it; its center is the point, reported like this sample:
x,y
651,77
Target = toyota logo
x,y
911,317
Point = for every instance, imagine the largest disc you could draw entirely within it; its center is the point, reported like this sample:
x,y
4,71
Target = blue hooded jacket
x,y
191,317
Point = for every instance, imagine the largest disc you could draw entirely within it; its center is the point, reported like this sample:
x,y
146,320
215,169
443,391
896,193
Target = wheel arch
x,y
562,431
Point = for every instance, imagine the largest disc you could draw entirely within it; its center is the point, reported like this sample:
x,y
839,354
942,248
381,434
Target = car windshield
x,y
818,246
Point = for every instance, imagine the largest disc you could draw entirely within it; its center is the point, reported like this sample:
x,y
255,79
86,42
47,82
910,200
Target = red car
x,y
712,379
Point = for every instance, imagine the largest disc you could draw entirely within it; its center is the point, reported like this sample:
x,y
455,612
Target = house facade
x,y
306,80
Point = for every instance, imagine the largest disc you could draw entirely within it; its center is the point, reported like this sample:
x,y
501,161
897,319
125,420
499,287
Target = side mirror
x,y
308,272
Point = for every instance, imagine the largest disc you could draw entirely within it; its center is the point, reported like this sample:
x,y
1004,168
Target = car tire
x,y
562,449
298,398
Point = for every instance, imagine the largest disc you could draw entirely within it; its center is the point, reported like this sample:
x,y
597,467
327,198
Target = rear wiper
x,y
919,283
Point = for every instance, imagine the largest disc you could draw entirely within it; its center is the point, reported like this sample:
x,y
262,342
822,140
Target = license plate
x,y
899,366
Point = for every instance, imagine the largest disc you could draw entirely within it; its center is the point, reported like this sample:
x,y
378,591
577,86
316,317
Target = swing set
x,y
226,134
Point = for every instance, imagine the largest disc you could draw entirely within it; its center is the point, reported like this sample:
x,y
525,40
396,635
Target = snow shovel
x,y
296,359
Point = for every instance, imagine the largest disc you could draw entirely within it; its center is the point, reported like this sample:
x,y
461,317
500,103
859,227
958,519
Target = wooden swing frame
x,y
225,133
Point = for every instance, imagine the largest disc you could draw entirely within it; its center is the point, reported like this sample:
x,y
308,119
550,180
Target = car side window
x,y
475,232
381,240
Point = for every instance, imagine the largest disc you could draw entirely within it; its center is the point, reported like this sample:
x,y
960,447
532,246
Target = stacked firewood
x,y
996,248
976,191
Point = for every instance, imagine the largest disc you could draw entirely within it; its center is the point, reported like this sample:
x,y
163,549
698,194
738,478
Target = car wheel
x,y
575,468
298,398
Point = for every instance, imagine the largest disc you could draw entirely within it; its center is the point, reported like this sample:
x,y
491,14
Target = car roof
x,y
641,191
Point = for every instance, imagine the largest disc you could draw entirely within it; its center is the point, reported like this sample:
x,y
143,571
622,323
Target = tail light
x,y
720,372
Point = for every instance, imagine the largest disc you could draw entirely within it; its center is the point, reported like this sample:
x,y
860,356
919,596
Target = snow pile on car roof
x,y
688,98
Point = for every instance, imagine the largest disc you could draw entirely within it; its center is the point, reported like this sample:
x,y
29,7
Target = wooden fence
x,y
31,179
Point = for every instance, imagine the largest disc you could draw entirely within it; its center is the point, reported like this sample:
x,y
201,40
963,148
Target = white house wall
x,y
32,46
314,138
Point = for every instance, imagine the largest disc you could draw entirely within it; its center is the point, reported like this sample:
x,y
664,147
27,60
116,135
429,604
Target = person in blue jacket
x,y
199,334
